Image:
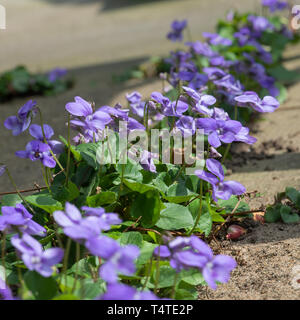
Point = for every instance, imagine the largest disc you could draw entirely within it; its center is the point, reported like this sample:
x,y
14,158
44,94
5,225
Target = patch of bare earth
x,y
266,257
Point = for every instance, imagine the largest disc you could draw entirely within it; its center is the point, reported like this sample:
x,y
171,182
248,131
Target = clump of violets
x,y
185,65
207,76
186,253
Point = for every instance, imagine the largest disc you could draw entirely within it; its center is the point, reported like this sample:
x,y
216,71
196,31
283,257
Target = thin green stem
x,y
157,271
229,145
235,112
59,239
77,260
179,172
109,149
174,285
65,263
148,273
3,253
200,208
46,142
48,173
226,152
69,150
16,188
145,115
21,280
122,181
45,177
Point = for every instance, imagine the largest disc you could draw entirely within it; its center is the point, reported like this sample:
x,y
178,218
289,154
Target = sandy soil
x,y
266,258
95,40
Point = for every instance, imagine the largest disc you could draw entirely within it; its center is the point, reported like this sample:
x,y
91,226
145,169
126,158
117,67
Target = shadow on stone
x,y
107,4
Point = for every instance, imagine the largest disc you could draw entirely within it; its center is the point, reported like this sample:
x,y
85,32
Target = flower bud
x,y
235,231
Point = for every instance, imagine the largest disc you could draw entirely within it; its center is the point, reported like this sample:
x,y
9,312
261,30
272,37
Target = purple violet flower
x,y
243,36
215,176
36,132
243,136
81,228
230,85
34,257
106,219
217,268
202,102
5,292
220,114
18,218
202,48
118,259
135,101
199,81
88,121
219,131
177,28
37,150
21,122
259,24
215,39
120,291
251,99
178,57
170,109
134,125
214,73
186,253
116,112
56,74
186,125
147,162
